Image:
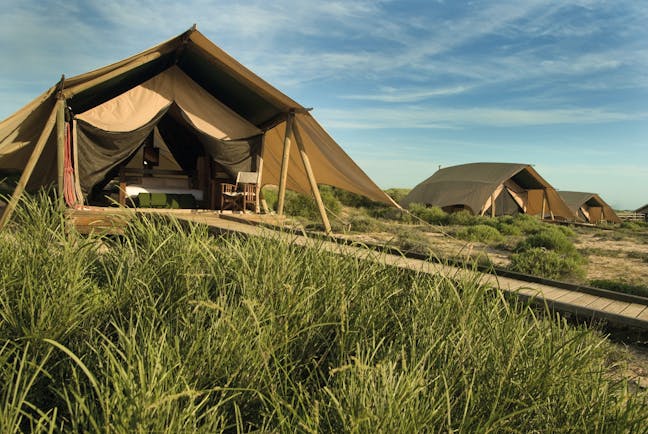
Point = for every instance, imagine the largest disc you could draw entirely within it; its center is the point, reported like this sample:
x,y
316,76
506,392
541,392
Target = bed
x,y
138,183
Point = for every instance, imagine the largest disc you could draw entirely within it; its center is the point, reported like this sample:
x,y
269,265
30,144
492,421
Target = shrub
x,y
539,261
464,218
270,195
391,213
632,226
551,238
548,253
300,205
615,285
509,229
481,233
397,194
361,222
528,224
430,214
348,198
411,240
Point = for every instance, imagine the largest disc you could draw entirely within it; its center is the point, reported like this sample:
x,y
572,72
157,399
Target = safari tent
x,y
589,207
642,210
491,189
184,110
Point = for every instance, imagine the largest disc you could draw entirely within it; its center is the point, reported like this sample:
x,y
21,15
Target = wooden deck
x,y
587,306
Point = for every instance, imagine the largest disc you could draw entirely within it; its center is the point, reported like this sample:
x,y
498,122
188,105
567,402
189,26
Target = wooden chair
x,y
239,196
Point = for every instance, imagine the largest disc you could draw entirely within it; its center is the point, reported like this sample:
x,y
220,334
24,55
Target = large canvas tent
x,y
589,207
491,189
193,97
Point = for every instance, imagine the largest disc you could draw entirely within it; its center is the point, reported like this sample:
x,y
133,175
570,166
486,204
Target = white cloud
x,y
438,117
407,95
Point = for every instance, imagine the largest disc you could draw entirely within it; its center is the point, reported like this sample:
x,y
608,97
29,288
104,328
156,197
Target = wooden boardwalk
x,y
632,312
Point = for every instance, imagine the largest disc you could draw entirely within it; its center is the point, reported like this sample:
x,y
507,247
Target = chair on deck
x,y
239,196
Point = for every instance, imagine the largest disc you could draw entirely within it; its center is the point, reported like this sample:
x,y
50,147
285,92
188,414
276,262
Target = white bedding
x,y
135,189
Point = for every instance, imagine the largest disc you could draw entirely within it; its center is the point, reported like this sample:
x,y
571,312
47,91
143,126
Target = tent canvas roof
x,y
578,199
472,185
191,73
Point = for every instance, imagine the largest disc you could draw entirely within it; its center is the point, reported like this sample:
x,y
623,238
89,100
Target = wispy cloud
x,y
438,117
391,94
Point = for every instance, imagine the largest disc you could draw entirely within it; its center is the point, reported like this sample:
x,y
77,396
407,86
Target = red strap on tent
x,y
68,171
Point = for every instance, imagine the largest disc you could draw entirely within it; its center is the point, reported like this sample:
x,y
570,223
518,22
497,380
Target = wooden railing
x,y
629,216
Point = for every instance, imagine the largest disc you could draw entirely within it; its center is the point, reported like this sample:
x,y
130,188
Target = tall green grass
x,y
167,329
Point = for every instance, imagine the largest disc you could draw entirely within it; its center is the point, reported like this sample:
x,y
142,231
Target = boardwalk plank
x,y
634,310
568,296
599,304
616,307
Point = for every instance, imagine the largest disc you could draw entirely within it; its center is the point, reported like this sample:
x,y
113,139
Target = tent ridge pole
x,y
311,179
284,164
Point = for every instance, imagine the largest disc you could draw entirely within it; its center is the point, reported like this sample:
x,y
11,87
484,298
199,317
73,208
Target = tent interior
x,y
182,117
165,136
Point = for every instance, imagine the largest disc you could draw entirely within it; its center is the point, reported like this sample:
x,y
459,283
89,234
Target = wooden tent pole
x,y
284,164
544,201
493,205
257,195
75,156
311,179
29,167
60,147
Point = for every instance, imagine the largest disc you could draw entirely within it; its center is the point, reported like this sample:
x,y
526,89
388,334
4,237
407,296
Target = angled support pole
x,y
60,148
29,167
257,195
311,180
284,164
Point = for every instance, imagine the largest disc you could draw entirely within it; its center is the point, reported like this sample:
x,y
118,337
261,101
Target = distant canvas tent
x,y
491,189
642,210
589,207
191,99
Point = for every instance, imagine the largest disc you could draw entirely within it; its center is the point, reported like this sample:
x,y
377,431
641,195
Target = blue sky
x,y
403,86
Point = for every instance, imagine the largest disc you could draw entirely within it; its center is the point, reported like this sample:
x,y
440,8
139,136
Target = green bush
x,y
632,226
509,229
300,205
397,194
548,252
539,261
391,213
411,240
270,195
481,233
464,218
550,238
361,222
615,285
430,214
528,224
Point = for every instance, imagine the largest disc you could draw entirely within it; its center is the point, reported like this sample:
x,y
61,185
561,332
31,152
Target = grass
x,y
168,329
620,286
